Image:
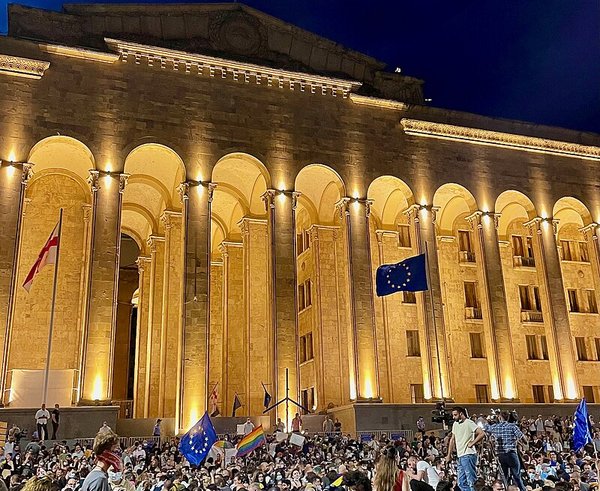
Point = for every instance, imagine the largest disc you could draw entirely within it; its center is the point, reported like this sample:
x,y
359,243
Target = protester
x,y
321,463
55,420
41,419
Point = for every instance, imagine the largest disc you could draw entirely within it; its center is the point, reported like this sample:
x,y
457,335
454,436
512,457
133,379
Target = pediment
x,y
228,30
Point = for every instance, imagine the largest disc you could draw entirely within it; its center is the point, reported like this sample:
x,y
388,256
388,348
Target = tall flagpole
x,y
437,342
47,369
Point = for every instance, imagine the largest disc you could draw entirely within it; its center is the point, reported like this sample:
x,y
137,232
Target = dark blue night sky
x,y
533,60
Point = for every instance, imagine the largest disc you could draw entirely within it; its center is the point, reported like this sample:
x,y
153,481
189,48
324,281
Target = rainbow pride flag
x,y
251,441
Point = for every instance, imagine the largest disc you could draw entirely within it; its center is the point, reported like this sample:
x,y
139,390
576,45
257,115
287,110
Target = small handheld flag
x,y
197,442
409,275
267,399
46,256
251,441
236,405
213,399
582,434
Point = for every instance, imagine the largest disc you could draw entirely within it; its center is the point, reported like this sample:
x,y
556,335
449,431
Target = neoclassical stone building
x,y
231,182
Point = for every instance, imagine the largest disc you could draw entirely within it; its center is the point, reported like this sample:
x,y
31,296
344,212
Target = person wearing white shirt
x,y
41,419
248,426
465,434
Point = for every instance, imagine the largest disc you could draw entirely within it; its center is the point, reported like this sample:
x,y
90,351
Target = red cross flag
x,y
47,256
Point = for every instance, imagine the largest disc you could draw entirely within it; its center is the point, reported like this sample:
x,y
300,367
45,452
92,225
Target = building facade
x,y
230,183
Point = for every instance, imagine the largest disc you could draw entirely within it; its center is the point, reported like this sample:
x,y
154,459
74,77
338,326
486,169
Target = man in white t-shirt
x,y
422,472
465,434
248,426
41,420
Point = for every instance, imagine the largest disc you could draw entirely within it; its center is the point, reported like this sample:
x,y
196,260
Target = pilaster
x,y
590,233
171,312
554,307
141,339
257,302
152,408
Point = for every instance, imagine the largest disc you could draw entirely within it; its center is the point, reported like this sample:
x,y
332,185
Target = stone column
x,y
234,328
156,245
495,310
171,313
13,184
436,379
257,301
107,196
282,231
554,308
141,338
195,357
355,214
590,233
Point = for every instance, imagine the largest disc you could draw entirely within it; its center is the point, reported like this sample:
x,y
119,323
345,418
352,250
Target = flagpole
x,y
437,343
47,369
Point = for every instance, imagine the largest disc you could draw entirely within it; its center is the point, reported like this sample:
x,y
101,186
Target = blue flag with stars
x,y
197,442
409,275
582,434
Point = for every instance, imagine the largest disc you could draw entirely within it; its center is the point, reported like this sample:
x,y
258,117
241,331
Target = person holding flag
x,y
198,441
582,432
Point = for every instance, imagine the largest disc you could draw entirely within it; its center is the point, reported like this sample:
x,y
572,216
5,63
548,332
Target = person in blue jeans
x,y
465,434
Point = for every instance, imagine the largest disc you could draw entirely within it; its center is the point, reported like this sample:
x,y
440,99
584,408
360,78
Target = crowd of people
x,y
322,462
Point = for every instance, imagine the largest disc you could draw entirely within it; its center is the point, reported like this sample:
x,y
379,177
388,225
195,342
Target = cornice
x,y
247,72
499,139
363,100
22,67
79,53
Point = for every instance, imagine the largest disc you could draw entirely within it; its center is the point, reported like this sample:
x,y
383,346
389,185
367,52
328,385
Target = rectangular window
x,y
413,347
404,236
544,344
309,346
307,293
588,393
524,297
573,302
409,297
481,394
597,343
551,393
302,349
532,347
536,299
301,304
517,243
416,394
581,349
583,252
464,241
299,244
538,394
566,250
476,345
592,306
471,294
308,399
529,248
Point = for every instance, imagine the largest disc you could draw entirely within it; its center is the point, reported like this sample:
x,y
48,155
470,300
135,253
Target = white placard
x,y
240,430
297,439
280,436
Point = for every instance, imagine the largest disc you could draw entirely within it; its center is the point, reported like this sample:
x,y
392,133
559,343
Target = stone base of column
x,y
367,400
94,402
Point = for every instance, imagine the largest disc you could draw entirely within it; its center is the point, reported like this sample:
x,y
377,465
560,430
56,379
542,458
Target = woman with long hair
x,y
388,476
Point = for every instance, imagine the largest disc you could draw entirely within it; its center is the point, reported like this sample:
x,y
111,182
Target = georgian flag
x,y
47,256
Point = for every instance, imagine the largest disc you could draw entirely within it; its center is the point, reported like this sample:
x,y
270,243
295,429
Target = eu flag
x,y
582,434
408,275
197,442
267,399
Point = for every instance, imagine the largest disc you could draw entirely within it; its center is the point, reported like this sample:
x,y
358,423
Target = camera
x,y
441,415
